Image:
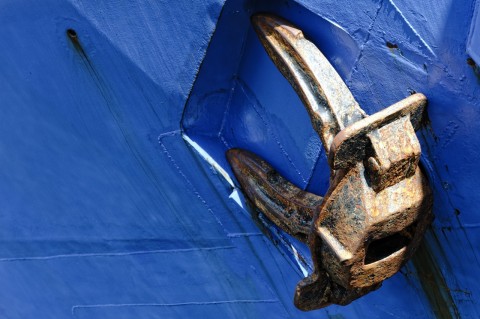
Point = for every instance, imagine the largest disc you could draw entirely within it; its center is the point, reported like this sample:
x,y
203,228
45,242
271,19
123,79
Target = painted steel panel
x,y
473,44
108,213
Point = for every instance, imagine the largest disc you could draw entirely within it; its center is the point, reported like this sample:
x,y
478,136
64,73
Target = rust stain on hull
x,y
433,282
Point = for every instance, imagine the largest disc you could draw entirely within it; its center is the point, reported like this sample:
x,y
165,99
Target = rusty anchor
x,y
378,205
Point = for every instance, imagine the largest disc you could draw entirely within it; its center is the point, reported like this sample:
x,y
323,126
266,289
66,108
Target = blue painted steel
x,y
473,45
384,50
108,213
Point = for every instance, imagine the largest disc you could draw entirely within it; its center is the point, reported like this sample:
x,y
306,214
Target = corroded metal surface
x,y
378,206
285,204
328,100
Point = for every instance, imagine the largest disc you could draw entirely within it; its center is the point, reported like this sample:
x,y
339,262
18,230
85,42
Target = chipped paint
x,y
209,159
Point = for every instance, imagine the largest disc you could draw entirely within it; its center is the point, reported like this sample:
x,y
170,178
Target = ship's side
x,y
117,200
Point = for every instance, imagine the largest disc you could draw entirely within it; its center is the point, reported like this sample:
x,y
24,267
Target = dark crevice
x,y
384,247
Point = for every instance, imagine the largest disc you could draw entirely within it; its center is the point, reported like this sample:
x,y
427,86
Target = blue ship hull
x,y
117,201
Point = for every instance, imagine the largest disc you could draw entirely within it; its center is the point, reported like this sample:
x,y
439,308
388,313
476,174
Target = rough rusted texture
x,y
378,206
395,154
327,99
367,236
351,144
285,204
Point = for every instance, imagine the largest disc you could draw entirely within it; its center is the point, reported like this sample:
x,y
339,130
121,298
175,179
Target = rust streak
x,y
434,284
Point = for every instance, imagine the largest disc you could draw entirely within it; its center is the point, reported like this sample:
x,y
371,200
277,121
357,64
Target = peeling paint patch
x,y
412,29
299,262
235,195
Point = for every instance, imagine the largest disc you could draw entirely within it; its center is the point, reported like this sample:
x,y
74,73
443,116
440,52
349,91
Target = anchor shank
x,y
327,99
